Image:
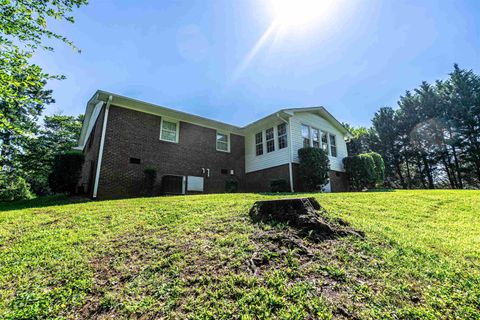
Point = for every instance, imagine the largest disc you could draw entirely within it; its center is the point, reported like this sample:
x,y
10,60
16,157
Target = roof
x,y
118,100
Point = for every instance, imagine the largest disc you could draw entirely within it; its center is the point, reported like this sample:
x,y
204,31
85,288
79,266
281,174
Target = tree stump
x,y
300,213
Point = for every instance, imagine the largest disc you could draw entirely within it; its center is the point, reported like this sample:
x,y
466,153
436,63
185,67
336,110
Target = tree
x,y
362,141
433,138
59,134
23,30
314,167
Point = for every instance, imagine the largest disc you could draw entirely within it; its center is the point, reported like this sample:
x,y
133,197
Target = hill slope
x,y
201,257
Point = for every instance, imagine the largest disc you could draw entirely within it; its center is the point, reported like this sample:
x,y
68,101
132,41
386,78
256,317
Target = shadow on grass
x,y
41,202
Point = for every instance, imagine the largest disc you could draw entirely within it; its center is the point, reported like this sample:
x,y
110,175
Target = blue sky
x,y
191,55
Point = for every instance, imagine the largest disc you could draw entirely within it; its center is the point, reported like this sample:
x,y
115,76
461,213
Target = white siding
x,y
318,122
267,159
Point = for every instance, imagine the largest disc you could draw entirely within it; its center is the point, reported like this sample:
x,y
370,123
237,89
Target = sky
x,y
207,57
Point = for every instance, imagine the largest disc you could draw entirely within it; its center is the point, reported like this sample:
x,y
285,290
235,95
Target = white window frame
x,y
257,144
330,145
270,140
309,135
228,141
177,127
319,137
326,149
281,136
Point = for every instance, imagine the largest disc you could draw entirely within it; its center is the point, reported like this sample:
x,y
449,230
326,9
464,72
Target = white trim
x,y
91,123
228,140
177,129
289,146
100,152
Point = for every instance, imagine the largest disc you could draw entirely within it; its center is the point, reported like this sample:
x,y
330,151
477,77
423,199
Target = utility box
x,y
195,184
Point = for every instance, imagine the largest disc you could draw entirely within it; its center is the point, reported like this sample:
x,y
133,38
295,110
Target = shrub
x,y
379,168
314,167
231,186
361,171
279,185
14,188
150,178
66,172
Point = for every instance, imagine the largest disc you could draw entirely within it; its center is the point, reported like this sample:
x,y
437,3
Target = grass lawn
x,y
190,257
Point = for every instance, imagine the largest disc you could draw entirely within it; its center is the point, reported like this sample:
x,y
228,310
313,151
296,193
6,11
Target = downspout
x,y
290,166
100,152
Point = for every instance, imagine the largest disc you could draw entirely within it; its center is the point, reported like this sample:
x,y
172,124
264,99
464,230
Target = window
x,y
270,140
169,131
324,142
333,146
282,136
259,143
224,171
135,160
306,136
222,142
315,138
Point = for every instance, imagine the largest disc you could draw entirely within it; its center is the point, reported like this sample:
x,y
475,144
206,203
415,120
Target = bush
x,y
279,185
14,188
67,168
379,168
150,178
314,167
39,185
231,186
361,171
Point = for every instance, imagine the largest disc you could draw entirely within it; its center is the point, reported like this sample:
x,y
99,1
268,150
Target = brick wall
x,y
259,181
338,181
133,134
91,154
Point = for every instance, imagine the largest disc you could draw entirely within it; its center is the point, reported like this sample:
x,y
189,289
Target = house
x,y
121,137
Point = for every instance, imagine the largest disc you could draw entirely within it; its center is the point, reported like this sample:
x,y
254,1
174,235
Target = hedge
x,y
231,186
379,168
365,171
279,185
314,167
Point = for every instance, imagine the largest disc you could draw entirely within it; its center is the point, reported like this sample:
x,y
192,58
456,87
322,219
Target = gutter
x,y
290,166
102,143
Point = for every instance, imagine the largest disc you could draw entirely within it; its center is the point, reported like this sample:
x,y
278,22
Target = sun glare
x,y
293,17
295,14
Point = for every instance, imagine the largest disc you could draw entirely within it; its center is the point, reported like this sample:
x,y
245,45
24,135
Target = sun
x,y
300,13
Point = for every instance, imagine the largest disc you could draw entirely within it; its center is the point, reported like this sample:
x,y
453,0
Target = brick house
x,y
121,137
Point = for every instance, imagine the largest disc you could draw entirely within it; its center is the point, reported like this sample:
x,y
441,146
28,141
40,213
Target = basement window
x,y
135,160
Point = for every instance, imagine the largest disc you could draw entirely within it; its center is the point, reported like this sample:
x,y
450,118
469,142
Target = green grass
x,y
191,257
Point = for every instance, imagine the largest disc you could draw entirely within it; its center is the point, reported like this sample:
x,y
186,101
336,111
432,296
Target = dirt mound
x,y
304,214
